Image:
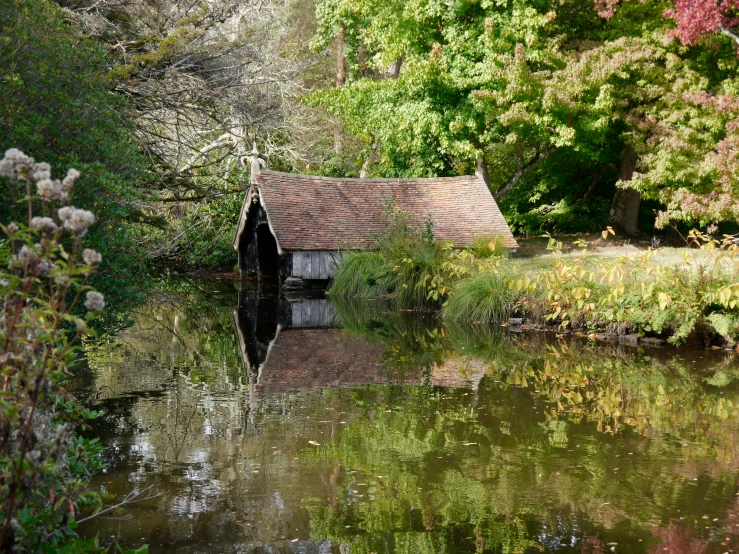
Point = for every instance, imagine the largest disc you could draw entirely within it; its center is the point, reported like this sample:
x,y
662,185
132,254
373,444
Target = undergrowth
x,y
694,302
485,296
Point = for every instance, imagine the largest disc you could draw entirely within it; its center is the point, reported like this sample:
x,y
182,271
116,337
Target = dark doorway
x,y
267,248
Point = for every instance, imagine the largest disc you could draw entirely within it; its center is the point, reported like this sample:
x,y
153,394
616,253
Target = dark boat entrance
x,y
267,249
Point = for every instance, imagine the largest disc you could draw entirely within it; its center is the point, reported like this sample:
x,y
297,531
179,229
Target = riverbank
x,y
687,296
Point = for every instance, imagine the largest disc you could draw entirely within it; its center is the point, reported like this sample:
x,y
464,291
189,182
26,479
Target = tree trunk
x,y
625,208
482,171
340,80
394,70
369,160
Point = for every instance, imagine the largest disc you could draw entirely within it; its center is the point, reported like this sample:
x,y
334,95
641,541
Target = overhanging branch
x,y
522,170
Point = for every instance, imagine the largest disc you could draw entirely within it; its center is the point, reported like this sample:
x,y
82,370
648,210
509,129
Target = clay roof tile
x,y
323,213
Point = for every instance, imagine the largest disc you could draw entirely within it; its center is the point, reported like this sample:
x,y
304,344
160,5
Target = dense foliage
x,y
407,265
543,97
689,298
56,102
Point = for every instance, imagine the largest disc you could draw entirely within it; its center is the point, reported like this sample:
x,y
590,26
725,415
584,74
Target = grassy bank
x,y
685,295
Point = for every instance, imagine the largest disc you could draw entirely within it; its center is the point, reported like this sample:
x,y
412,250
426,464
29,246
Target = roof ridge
x,y
368,181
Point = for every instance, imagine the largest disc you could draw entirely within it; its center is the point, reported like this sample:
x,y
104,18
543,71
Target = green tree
x,y
523,92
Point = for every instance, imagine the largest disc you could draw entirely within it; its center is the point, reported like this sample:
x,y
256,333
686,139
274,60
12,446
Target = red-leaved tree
x,y
698,18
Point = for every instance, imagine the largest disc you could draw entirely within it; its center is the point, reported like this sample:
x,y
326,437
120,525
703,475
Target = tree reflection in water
x,y
331,427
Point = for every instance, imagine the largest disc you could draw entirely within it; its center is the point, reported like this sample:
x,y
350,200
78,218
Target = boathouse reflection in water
x,y
298,344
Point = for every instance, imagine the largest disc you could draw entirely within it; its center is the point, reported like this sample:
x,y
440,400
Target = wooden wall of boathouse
x,y
315,264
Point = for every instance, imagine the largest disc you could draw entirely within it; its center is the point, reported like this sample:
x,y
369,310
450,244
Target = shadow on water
x,y
321,426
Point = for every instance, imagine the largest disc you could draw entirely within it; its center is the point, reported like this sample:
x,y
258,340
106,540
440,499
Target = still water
x,y
253,424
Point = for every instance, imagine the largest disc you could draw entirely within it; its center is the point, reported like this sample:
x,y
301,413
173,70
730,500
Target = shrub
x,y
405,264
43,280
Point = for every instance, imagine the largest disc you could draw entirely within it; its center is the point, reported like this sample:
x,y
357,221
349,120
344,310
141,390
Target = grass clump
x,y
359,274
483,297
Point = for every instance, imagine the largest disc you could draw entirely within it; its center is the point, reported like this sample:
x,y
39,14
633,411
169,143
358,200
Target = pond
x,y
247,423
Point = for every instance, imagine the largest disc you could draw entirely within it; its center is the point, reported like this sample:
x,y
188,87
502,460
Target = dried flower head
x,y
66,212
61,278
92,257
17,161
44,224
43,267
80,325
49,190
12,228
24,258
68,181
76,220
94,301
80,221
7,168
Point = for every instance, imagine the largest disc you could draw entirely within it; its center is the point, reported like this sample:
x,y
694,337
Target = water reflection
x,y
314,426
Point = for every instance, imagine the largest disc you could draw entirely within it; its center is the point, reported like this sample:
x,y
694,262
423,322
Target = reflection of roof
x,y
459,372
331,358
319,358
323,213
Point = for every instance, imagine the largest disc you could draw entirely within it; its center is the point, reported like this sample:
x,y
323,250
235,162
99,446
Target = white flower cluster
x,y
25,257
31,259
77,221
44,224
17,164
37,260
94,301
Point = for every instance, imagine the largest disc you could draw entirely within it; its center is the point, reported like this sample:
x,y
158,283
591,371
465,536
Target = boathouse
x,y
300,226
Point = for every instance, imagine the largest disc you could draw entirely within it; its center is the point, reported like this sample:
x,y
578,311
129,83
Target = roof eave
x,y
244,217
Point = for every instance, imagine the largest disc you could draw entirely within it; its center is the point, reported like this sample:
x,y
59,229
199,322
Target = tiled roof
x,y
323,213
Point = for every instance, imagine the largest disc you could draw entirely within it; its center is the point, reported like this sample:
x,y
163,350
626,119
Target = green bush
x,y
405,264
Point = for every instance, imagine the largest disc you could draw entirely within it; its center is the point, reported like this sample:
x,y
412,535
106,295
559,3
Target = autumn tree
x,y
697,19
